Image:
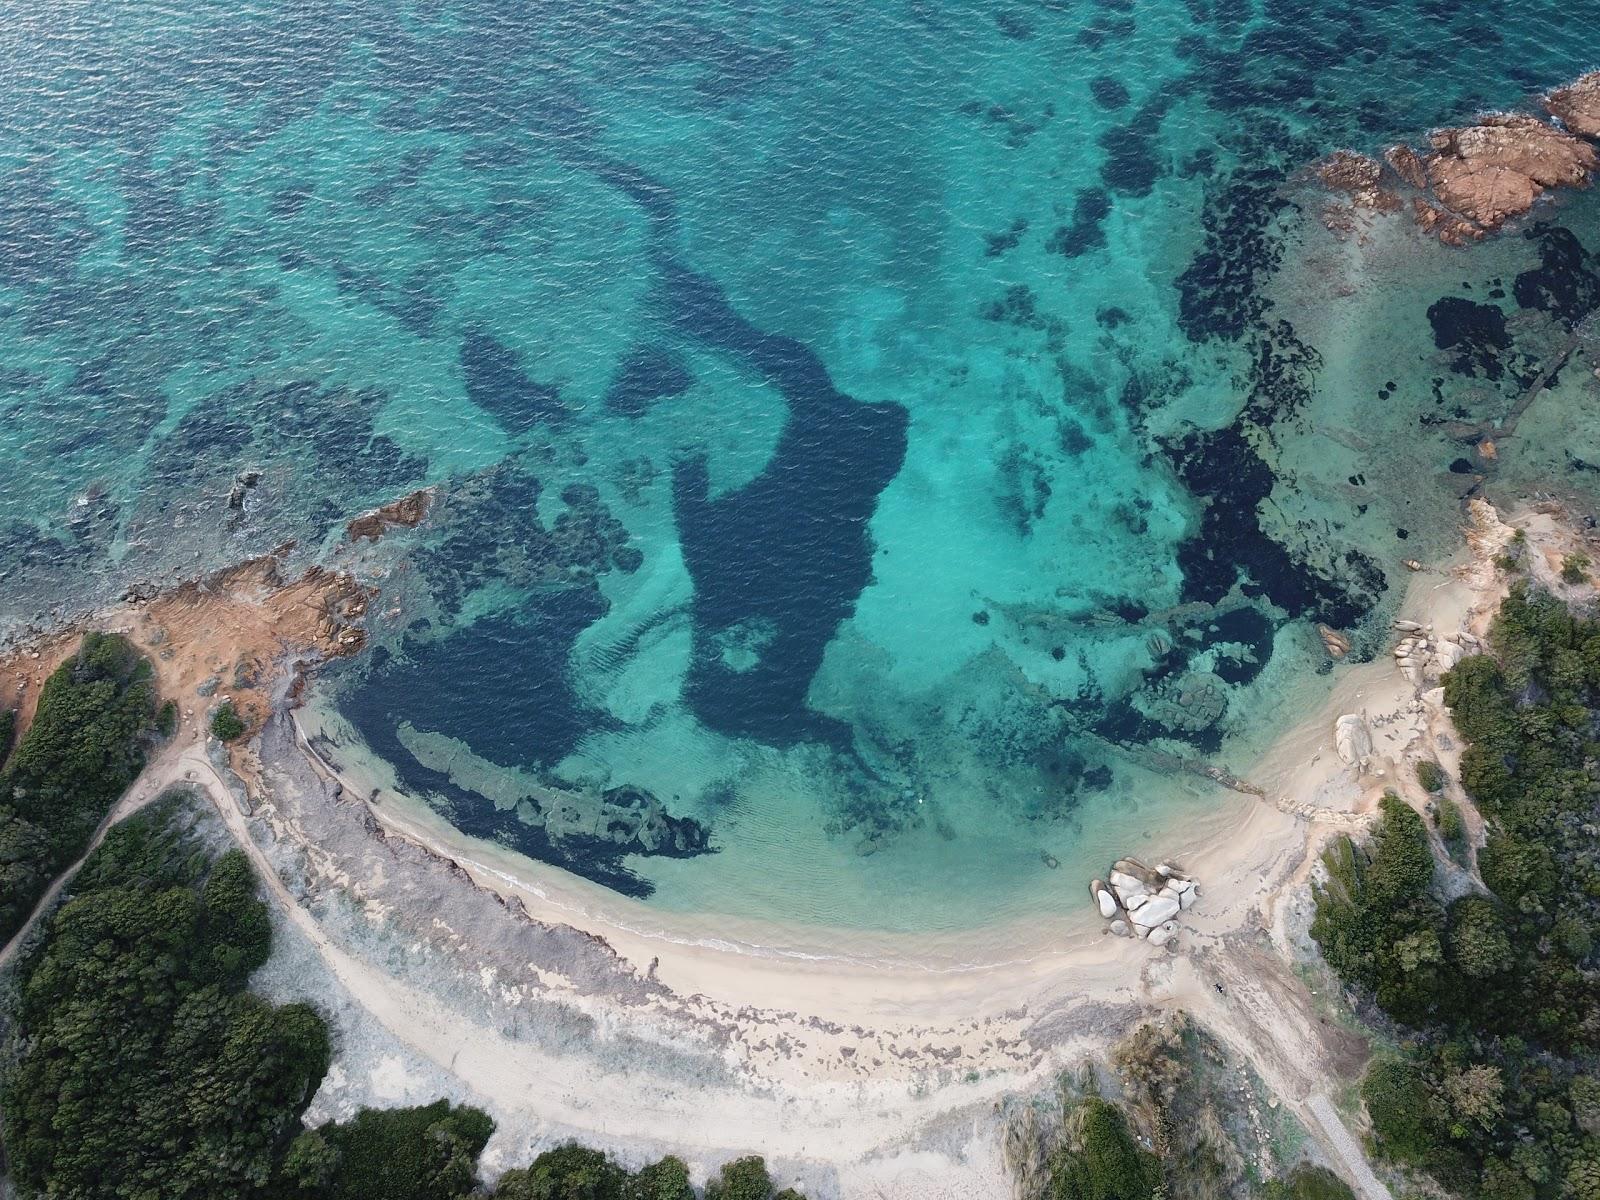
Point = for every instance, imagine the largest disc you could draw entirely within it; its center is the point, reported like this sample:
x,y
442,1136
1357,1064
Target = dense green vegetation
x,y
1431,775
426,1153
226,724
1495,1090
1101,1161
1307,1182
8,729
1187,1121
140,1066
84,748
137,1065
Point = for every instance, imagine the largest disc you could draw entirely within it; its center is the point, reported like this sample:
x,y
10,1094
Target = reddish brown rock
x,y
406,512
1450,229
1360,178
1577,106
1407,164
1496,169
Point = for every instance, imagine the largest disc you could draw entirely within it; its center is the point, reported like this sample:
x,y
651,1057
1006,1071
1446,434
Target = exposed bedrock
x,y
1474,178
1496,169
1577,106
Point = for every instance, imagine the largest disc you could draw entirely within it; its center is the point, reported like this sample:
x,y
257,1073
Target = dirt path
x,y
1350,1155
159,775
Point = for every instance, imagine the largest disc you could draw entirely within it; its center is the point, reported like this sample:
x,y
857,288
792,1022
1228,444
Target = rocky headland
x,y
1471,179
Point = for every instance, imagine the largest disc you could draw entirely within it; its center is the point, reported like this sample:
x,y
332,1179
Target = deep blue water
x,y
860,429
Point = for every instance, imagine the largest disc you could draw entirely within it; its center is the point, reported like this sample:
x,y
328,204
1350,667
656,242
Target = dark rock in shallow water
x,y
650,373
790,549
1566,283
1108,92
1219,293
1231,547
1084,234
496,383
1475,333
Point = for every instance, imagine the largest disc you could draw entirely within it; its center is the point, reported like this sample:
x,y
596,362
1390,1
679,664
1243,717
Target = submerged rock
x,y
1449,228
1335,643
1358,177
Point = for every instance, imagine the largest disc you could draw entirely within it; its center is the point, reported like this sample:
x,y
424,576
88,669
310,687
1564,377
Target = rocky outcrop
x,y
1495,170
405,513
1144,901
1407,164
1446,226
1423,657
1577,106
1352,740
1476,177
1359,177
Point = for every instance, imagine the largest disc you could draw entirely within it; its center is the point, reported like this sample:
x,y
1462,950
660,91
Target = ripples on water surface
x,y
862,430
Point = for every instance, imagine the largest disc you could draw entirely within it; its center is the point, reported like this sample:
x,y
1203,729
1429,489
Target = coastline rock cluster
x,y
1423,657
1144,901
1473,179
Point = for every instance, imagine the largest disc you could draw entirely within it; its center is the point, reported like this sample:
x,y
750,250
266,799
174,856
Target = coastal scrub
x,y
1492,1089
85,746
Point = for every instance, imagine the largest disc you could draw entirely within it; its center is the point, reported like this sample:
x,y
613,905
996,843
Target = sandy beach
x,y
860,1064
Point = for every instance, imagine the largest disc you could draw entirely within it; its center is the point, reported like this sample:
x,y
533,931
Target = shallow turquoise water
x,y
877,437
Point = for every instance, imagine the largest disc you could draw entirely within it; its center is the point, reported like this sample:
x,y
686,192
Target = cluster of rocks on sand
x,y
1423,657
1144,901
1473,179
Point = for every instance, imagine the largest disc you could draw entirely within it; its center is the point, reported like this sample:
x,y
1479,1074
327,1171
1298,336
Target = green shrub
x,y
1573,567
167,719
1452,825
425,1153
1398,1104
1479,944
1431,775
1102,1161
8,729
226,724
667,1179
741,1179
570,1172
1307,1182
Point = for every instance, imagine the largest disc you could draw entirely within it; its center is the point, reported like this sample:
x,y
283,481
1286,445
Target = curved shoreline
x,y
693,1034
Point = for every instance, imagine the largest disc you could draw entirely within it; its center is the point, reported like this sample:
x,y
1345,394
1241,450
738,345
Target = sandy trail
x,y
152,782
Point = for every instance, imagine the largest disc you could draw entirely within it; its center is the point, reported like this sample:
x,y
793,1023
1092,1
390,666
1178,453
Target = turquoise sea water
x,y
875,441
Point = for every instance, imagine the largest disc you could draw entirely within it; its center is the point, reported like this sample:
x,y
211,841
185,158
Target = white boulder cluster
x,y
1423,655
1144,901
